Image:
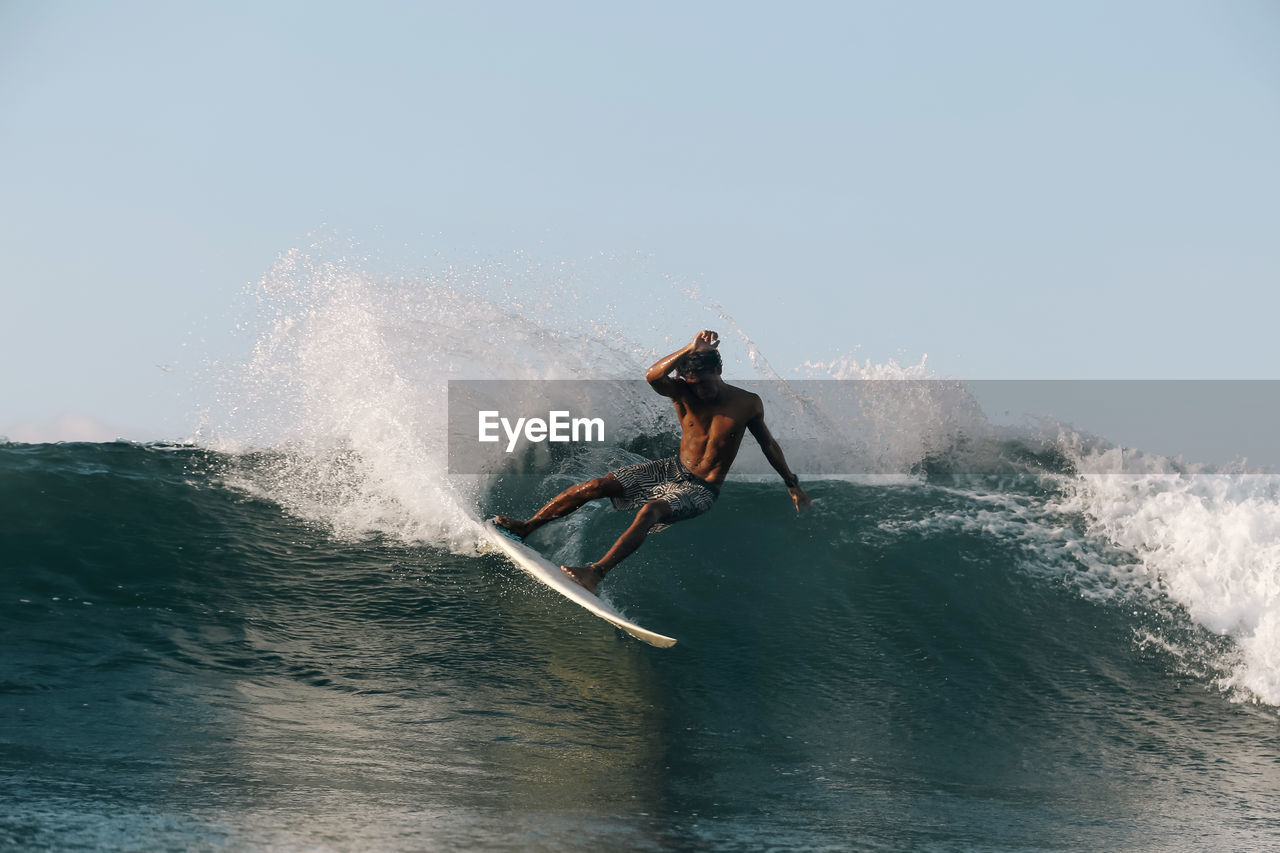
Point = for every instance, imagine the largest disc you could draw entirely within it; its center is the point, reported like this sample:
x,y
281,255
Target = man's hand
x,y
706,339
800,499
659,374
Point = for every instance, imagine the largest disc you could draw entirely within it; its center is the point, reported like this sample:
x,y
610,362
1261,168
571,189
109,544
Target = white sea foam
x,y
1130,527
1211,542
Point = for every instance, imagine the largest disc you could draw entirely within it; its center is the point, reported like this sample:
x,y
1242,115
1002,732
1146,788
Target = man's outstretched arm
x,y
659,375
773,452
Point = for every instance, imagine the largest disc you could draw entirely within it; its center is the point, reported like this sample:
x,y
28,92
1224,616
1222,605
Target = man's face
x,y
705,385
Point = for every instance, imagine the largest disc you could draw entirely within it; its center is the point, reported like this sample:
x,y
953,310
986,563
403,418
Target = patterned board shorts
x,y
665,479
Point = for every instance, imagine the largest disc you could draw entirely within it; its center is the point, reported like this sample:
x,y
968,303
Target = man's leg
x,y
564,503
654,512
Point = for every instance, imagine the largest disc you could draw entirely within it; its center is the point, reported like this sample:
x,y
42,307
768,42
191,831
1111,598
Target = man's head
x,y
700,370
703,361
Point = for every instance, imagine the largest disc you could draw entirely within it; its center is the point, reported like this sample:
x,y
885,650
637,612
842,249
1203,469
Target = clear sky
x,y
1029,190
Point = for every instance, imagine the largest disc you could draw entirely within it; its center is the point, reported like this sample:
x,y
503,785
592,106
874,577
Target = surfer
x,y
714,416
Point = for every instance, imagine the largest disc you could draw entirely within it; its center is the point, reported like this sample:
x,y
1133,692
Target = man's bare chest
x,y
713,425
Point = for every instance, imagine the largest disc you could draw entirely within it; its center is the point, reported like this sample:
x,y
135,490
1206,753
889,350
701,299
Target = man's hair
x,y
701,361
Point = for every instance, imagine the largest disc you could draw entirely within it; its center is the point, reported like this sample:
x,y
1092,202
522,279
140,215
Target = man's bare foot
x,y
519,528
588,577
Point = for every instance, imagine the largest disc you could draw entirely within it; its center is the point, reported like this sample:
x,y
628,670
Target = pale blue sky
x,y
1020,190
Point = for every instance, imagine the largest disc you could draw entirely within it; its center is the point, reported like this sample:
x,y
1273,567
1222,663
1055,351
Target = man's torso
x,y
712,431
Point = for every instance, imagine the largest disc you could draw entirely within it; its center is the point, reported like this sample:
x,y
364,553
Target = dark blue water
x,y
187,666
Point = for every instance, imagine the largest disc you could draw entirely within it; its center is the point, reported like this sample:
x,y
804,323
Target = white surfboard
x,y
554,576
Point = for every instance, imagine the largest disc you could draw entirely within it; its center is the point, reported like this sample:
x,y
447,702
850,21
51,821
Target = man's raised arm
x,y
659,375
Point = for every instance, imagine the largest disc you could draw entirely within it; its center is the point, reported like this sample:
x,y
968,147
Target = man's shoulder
x,y
746,399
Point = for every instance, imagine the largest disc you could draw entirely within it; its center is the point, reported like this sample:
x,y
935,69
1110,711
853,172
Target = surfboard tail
x,y
515,537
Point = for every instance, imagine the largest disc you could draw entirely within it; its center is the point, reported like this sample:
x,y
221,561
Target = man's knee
x,y
606,486
654,512
601,487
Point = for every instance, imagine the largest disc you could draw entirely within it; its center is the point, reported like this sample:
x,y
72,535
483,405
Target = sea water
x,y
284,633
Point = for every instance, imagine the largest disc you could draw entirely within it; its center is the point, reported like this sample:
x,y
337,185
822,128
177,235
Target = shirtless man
x,y
713,418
